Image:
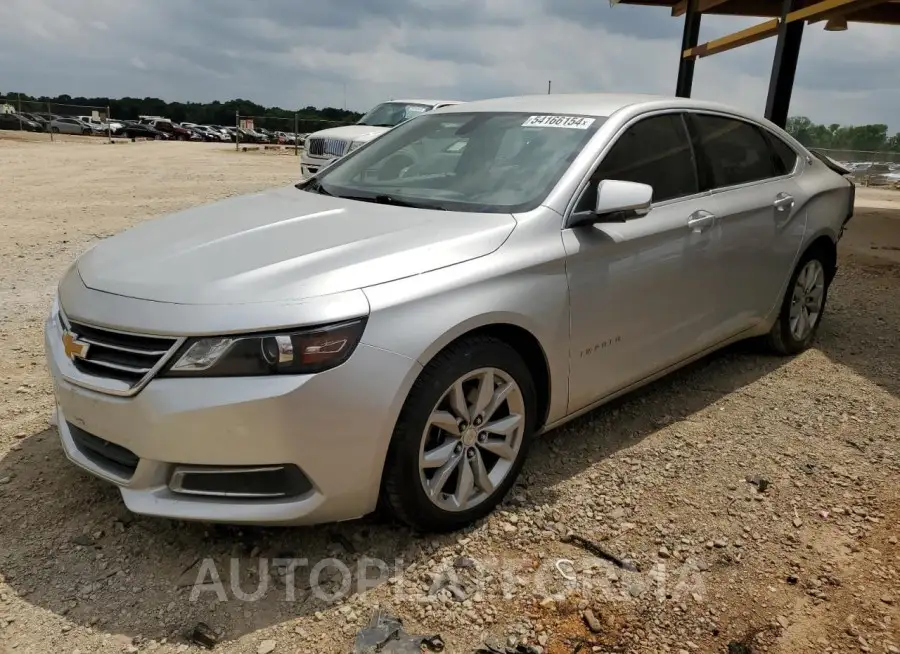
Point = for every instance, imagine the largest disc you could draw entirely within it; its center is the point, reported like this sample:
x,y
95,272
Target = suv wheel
x,y
462,436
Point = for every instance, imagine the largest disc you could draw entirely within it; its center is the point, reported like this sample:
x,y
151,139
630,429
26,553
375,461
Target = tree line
x,y
204,113
869,138
873,138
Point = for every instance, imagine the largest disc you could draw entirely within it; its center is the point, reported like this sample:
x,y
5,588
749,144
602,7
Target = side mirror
x,y
617,201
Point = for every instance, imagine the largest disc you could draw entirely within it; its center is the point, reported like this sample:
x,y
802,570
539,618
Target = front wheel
x,y
803,306
462,436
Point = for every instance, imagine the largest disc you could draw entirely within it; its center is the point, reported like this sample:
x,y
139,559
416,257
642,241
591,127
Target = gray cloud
x,y
630,20
300,52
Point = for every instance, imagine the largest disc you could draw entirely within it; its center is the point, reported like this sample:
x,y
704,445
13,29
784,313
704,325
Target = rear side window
x,y
785,155
736,152
655,151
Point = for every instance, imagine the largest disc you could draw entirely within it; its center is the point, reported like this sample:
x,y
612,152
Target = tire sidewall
x,y
791,344
425,394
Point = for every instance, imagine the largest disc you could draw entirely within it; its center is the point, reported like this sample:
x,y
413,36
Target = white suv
x,y
324,146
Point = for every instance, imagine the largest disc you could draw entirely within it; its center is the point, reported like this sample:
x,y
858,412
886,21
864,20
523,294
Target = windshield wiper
x,y
391,200
314,186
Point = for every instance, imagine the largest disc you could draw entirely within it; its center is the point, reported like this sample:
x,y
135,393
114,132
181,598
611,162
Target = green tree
x,y
868,138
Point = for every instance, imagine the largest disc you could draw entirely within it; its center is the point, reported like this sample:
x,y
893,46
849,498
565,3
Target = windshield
x,y
390,114
479,162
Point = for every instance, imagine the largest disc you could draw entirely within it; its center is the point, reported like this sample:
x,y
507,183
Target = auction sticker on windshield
x,y
567,122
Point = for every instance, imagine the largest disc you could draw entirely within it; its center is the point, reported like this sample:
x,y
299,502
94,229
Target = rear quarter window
x,y
785,155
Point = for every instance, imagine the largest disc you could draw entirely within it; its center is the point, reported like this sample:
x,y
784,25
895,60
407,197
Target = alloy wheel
x,y
807,298
472,439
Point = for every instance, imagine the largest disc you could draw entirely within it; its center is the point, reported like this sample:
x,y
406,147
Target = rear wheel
x,y
462,436
55,130
803,305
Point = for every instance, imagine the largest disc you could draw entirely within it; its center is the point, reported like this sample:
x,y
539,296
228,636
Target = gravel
x,y
658,479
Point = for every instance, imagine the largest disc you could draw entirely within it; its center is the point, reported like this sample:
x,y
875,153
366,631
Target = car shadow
x,y
73,549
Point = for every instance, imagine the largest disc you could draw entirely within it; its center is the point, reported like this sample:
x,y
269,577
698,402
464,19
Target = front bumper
x,y
335,426
309,166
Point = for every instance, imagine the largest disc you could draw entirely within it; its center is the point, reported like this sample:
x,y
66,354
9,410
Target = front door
x,y
640,291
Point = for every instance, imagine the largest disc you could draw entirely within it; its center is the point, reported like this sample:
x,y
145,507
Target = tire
x,y
55,130
86,132
784,339
403,492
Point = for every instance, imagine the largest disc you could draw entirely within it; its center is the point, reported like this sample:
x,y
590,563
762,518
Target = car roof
x,y
586,104
419,101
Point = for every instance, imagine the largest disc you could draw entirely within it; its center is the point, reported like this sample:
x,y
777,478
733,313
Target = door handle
x,y
783,201
700,220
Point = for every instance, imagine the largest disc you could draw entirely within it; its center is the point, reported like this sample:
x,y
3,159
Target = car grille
x,y
130,358
322,147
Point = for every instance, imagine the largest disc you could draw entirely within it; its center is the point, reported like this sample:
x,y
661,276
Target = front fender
x,y
419,316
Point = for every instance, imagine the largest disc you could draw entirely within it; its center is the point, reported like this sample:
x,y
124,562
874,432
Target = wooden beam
x,y
704,5
817,11
843,11
828,8
884,14
732,41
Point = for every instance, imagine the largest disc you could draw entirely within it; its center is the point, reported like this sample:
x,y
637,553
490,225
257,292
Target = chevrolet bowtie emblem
x,y
73,347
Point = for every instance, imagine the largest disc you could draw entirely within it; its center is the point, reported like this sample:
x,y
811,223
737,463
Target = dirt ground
x,y
804,559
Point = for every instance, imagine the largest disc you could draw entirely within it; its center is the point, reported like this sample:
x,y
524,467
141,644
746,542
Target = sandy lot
x,y
811,564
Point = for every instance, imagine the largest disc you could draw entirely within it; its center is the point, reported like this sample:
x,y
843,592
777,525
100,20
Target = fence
x,y
55,118
283,130
868,167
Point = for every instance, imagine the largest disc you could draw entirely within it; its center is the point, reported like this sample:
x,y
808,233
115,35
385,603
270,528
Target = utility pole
x,y
549,83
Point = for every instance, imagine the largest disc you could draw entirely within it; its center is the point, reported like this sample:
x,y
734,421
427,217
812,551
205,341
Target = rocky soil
x,y
745,504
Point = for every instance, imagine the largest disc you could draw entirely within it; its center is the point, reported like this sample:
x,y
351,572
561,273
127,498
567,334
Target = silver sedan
x,y
398,328
71,126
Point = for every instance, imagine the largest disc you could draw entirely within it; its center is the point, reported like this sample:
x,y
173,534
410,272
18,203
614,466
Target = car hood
x,y
284,244
351,132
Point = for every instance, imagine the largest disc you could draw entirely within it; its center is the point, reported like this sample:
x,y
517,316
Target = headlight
x,y
354,145
298,352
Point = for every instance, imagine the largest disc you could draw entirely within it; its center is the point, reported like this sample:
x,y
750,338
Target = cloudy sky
x,y
294,53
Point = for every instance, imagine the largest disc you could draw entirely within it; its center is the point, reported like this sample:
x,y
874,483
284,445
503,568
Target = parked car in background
x,y
322,147
220,132
246,135
19,122
67,125
204,134
174,131
286,138
397,335
136,130
872,174
37,118
104,126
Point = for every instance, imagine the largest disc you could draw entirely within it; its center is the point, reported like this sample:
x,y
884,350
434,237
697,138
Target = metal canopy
x,y
786,21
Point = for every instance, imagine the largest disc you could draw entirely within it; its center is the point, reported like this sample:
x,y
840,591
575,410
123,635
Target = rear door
x,y
751,173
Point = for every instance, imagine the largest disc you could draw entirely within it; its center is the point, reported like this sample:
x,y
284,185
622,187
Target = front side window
x,y
476,161
391,114
736,151
655,151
